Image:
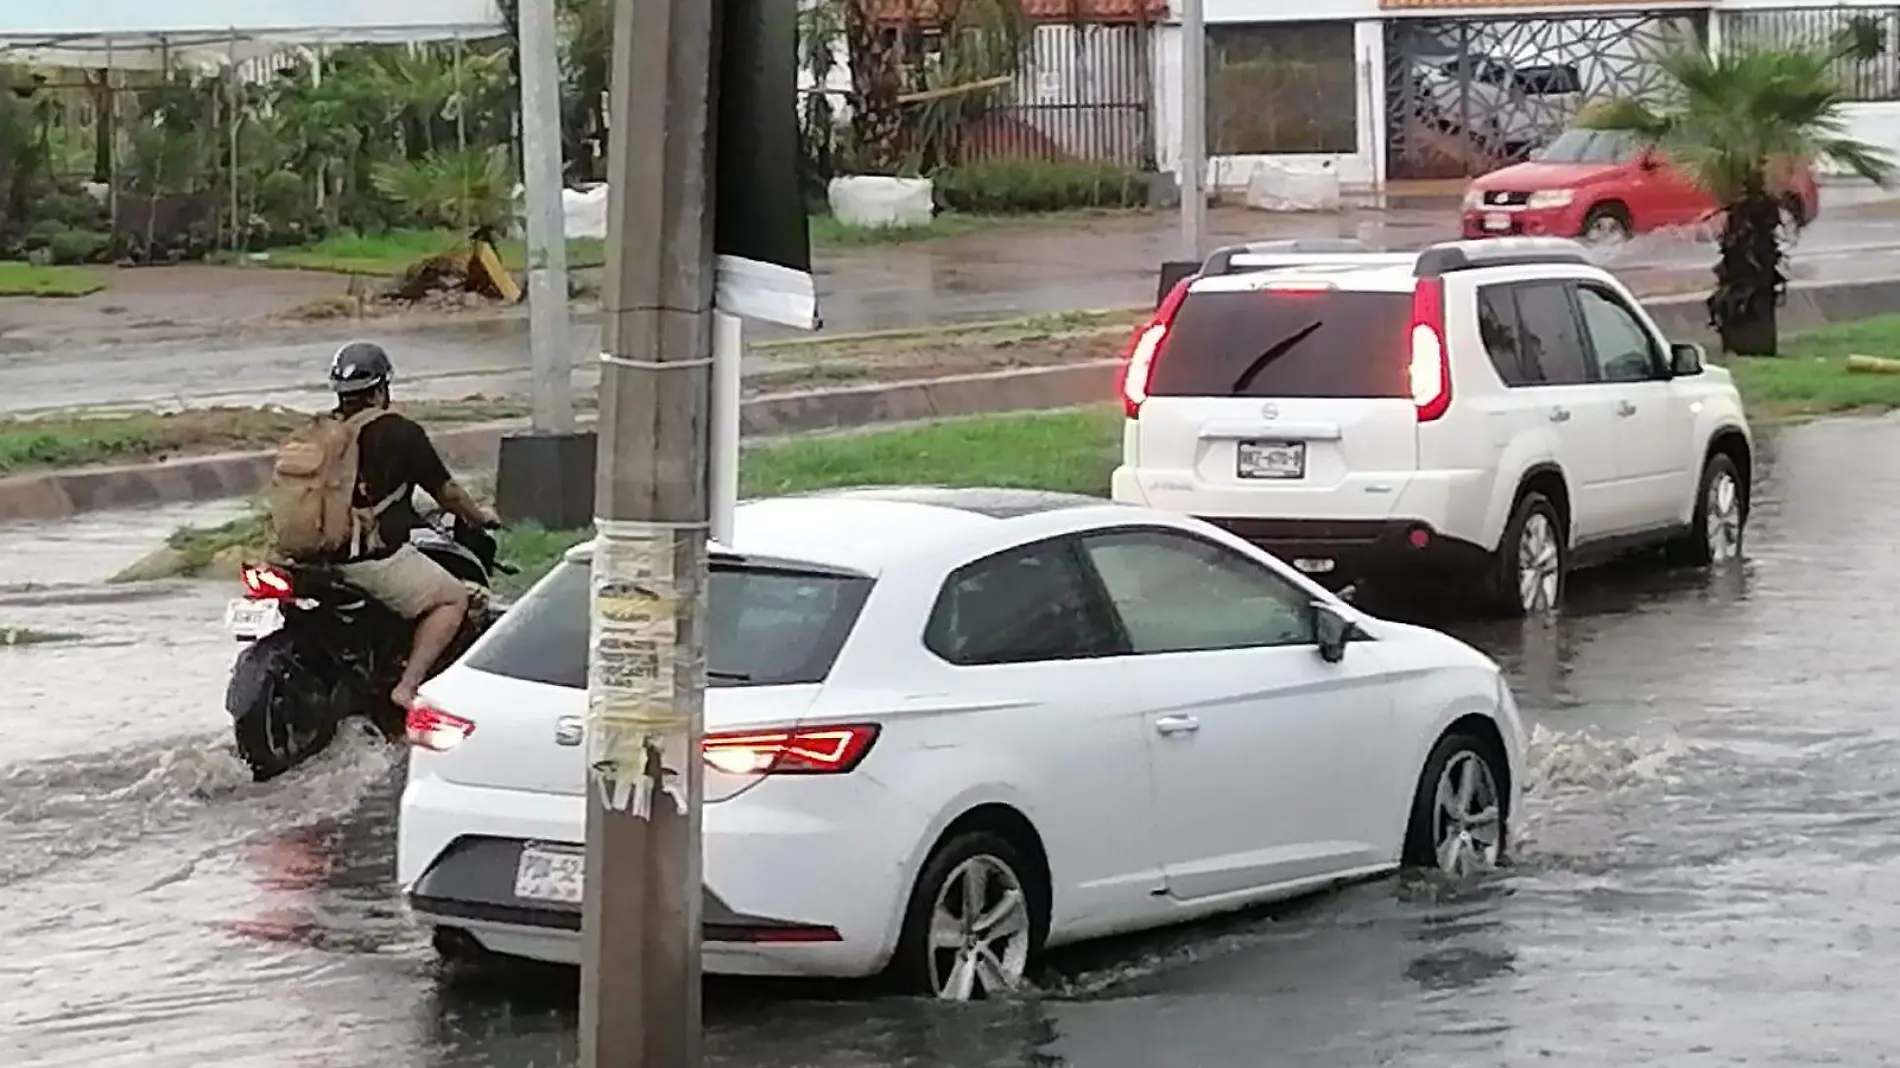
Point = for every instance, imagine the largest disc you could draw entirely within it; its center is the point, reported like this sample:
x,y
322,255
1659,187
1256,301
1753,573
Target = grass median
x,y
1073,450
1812,377
32,280
53,442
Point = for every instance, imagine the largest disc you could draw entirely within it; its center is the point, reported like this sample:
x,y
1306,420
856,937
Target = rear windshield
x,y
1331,343
766,626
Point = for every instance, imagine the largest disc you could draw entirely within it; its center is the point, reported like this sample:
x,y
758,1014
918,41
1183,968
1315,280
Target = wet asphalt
x,y
983,276
1707,867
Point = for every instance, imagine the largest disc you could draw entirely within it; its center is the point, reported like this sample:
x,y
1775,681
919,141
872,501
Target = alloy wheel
x,y
979,931
1722,518
1467,820
1538,565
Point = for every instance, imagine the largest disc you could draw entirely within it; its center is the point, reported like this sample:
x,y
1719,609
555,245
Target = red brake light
x,y
830,750
265,583
431,728
1138,364
1429,370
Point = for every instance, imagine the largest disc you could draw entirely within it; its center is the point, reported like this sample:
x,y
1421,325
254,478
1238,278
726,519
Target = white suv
x,y
1500,411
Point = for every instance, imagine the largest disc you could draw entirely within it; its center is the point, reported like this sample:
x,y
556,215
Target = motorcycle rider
x,y
394,458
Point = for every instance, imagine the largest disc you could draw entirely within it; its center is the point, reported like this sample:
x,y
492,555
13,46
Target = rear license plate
x,y
251,620
1270,459
550,873
1497,220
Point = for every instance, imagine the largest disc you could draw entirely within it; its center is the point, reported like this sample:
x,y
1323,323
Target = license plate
x,y
1497,220
550,873
251,620
1270,459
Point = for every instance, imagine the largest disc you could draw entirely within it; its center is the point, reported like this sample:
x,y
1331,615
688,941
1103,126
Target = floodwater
x,y
976,277
1706,863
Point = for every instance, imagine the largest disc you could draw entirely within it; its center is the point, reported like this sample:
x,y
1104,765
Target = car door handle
x,y
1169,726
1625,409
1560,414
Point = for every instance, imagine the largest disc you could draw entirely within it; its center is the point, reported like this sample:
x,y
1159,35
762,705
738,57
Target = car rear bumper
x,y
1336,552
771,902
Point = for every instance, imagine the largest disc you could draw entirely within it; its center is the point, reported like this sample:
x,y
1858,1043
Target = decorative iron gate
x,y
1084,93
1466,96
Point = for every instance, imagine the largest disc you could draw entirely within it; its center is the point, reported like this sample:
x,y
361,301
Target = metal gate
x,y
1084,93
1466,96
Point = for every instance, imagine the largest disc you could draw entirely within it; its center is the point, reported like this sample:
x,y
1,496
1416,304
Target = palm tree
x,y
1735,123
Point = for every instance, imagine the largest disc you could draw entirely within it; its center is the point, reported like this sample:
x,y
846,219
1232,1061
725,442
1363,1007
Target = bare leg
x,y
434,631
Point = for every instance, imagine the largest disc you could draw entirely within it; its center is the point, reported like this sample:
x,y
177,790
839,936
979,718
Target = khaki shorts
x,y
409,583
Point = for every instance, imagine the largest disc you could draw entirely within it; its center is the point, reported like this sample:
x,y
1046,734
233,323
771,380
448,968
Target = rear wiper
x,y
728,676
1278,350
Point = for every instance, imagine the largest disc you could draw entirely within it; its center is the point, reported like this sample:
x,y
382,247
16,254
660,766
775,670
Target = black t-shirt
x,y
393,453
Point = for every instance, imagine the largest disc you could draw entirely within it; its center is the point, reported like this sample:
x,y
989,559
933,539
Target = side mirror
x,y
1686,359
1332,631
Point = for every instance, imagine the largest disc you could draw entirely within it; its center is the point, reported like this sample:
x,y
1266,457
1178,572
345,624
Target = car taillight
x,y
264,583
431,728
1138,364
1430,368
829,750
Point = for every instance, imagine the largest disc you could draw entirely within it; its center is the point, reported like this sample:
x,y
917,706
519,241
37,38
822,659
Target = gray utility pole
x,y
552,389
640,917
1193,165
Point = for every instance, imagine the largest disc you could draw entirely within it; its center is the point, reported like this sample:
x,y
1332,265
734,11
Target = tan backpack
x,y
313,489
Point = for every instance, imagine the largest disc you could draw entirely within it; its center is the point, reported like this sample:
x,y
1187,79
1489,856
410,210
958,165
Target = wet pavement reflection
x,y
1705,863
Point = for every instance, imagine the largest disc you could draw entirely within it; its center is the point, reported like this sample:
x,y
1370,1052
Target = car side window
x,y
1499,329
1622,350
1550,336
1031,603
1178,593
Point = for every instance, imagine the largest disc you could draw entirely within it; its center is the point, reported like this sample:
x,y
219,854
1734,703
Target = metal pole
x,y
640,920
551,392
1193,165
728,411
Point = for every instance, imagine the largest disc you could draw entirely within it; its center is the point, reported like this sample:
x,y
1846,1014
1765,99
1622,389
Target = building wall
x,y
1874,121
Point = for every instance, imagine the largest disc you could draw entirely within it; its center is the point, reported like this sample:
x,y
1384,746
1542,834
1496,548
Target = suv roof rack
x,y
1449,256
1298,250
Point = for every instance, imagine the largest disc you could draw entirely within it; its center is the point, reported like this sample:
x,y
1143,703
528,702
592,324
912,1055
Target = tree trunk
x,y
1748,278
102,123
877,119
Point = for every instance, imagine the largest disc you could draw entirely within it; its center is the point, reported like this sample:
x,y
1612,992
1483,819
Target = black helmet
x,y
359,366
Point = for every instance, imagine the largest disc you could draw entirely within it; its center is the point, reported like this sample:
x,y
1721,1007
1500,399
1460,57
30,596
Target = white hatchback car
x,y
1490,412
990,721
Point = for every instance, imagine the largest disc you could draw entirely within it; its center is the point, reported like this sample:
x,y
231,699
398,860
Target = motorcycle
x,y
318,650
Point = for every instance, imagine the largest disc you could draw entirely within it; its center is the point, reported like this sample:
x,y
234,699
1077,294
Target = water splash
x,y
1564,761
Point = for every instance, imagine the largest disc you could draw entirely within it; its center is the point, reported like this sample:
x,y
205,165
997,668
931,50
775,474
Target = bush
x,y
74,211
1019,186
40,235
79,246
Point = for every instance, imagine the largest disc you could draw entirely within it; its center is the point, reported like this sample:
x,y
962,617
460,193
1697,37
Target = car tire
x,y
1460,820
1534,539
947,952
1720,518
1606,222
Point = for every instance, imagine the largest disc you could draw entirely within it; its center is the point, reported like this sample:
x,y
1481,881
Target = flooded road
x,y
1705,868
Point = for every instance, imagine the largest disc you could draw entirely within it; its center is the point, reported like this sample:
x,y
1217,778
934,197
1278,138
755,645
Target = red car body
x,y
1598,184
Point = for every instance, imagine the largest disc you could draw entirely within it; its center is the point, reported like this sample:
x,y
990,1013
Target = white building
x,y
1385,90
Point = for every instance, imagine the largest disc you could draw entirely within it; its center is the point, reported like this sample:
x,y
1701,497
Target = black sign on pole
x,y
760,231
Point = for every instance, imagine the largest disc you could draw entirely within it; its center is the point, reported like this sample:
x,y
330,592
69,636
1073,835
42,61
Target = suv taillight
x,y
1429,371
265,583
1138,364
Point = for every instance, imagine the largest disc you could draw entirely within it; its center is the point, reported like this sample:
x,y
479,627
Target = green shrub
x,y
1008,187
40,235
73,211
79,246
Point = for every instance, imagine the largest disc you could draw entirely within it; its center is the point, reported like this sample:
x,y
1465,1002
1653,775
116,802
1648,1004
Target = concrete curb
x,y
60,494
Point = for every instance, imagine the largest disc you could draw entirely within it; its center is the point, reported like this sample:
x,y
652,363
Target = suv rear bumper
x,y
1360,549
